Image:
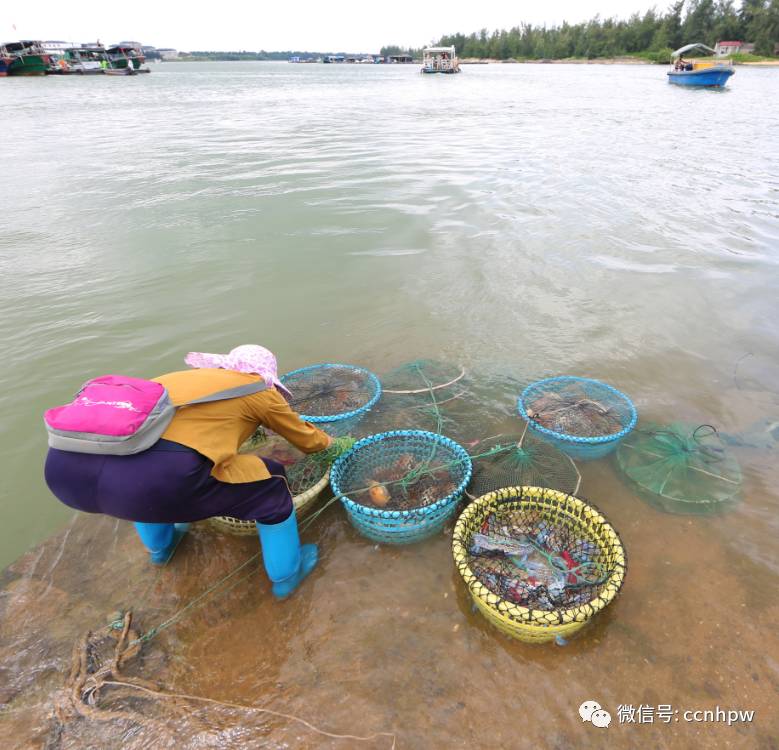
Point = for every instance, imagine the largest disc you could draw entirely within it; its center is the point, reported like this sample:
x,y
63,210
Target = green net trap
x,y
303,471
421,376
681,468
521,460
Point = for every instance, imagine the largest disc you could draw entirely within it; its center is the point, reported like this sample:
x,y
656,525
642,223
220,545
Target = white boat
x,y
86,60
440,60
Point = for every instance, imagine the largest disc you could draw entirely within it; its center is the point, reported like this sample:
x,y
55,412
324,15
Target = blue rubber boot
x,y
161,539
286,562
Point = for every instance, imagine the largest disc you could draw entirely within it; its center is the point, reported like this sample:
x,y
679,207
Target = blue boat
x,y
710,72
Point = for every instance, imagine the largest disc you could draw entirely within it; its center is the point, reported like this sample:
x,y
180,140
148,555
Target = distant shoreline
x,y
626,60
594,61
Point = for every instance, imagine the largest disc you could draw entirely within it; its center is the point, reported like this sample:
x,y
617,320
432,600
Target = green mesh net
x,y
421,376
521,460
681,468
303,471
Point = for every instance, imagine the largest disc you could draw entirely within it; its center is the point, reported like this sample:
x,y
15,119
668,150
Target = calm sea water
x,y
537,219
523,220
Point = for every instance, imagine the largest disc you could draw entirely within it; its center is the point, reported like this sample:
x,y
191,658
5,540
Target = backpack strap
x,y
237,392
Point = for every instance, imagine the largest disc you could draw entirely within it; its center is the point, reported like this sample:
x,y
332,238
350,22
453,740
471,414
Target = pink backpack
x,y
117,415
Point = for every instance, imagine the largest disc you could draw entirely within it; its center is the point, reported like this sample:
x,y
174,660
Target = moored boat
x,y
56,52
440,60
123,57
709,72
25,58
86,60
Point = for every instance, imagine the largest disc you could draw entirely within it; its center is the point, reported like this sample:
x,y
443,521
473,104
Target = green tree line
x,y
651,35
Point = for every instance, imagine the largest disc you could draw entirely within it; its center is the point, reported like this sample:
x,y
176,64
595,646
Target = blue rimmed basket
x,y
352,471
372,392
583,448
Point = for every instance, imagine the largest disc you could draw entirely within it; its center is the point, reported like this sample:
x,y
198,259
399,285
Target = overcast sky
x,y
317,25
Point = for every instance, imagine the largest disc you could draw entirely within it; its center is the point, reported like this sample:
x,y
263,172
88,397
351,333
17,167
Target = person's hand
x,y
341,445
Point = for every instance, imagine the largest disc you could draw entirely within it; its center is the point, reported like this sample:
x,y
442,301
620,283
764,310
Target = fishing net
x,y
583,417
519,461
397,413
307,476
441,397
421,376
303,470
526,559
538,563
402,471
681,468
401,487
576,407
331,392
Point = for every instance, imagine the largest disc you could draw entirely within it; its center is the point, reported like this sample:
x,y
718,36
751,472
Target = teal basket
x,y
321,387
584,448
417,451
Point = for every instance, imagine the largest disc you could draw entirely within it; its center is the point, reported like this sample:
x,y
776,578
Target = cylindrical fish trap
x,y
400,487
332,396
681,468
538,563
583,417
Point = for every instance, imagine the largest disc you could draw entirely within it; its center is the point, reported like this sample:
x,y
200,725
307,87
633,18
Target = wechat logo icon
x,y
591,711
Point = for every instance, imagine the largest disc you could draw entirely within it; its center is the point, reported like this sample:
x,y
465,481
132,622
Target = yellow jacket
x,y
217,430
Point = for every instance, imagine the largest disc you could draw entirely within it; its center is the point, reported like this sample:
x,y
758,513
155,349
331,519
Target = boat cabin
x,y
440,60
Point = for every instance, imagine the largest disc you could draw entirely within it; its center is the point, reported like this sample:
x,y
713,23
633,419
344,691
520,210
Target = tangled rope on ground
x,y
85,692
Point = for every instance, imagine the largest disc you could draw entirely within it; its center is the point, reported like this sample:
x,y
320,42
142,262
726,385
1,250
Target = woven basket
x,y
538,626
302,502
576,446
399,526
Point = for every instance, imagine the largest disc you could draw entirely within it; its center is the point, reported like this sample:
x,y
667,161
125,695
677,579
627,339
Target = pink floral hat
x,y
247,358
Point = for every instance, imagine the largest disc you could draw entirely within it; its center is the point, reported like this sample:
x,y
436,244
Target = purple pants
x,y
169,483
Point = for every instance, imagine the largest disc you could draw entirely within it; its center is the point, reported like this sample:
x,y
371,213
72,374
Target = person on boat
x,y
195,472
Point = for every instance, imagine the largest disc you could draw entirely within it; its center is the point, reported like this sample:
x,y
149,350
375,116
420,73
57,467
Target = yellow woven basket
x,y
302,502
557,508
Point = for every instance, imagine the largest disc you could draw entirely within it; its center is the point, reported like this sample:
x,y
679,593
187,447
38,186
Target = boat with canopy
x,y
440,60
712,72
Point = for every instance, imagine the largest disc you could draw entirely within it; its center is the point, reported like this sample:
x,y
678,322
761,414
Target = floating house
x,y
400,59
